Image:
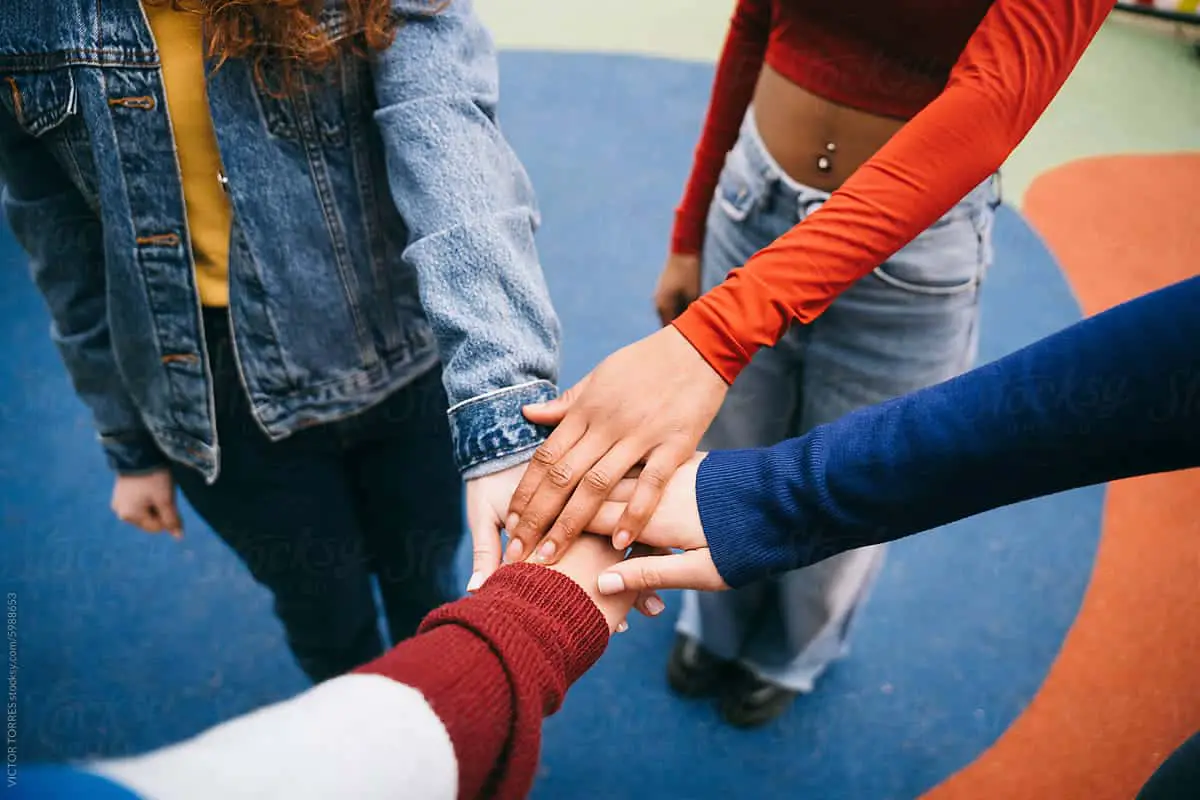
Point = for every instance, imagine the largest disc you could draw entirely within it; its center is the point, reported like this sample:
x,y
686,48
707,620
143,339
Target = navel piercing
x,y
824,162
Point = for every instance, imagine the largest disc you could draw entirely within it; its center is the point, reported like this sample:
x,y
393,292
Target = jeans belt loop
x,y
808,206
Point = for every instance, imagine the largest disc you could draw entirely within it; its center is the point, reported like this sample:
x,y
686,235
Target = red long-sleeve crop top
x,y
972,77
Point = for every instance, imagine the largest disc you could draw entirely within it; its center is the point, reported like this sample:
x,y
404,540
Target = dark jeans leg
x,y
1179,776
409,498
287,509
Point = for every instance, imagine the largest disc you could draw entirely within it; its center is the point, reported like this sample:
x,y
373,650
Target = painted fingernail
x,y
477,581
624,626
654,606
622,540
513,553
510,524
544,553
610,583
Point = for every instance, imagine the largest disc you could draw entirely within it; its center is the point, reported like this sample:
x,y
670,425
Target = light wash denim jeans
x,y
911,323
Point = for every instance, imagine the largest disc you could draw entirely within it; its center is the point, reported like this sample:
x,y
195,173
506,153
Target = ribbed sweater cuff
x,y
492,665
569,629
755,528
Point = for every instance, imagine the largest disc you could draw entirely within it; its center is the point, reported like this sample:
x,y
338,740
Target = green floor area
x,y
1136,90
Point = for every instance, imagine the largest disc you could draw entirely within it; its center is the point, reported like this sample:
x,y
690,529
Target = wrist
x,y
490,432
133,453
582,563
687,235
538,596
708,335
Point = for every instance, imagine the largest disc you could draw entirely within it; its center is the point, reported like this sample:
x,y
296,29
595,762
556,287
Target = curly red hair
x,y
287,33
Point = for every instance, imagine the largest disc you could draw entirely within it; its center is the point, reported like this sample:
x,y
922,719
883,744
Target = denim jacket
x,y
381,221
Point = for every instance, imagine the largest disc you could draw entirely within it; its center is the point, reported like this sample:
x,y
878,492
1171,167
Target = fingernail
x,y
510,524
513,553
622,540
624,626
477,581
654,606
610,583
544,553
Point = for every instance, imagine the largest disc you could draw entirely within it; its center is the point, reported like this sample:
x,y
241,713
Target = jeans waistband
x,y
807,198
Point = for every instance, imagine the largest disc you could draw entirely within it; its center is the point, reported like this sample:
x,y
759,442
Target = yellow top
x,y
181,48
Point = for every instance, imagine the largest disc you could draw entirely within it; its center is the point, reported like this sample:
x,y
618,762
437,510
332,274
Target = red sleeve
x,y
1011,68
737,72
492,665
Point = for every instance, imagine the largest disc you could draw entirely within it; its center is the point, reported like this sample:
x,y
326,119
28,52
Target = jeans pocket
x,y
951,257
740,188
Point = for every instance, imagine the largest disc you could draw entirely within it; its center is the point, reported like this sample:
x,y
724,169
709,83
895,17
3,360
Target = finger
x,y
168,514
545,458
604,522
649,603
665,306
142,518
651,483
671,305
693,569
623,491
597,477
485,545
552,412
546,512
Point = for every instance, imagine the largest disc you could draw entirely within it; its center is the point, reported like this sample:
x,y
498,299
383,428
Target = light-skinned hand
x,y
675,525
487,500
148,502
584,563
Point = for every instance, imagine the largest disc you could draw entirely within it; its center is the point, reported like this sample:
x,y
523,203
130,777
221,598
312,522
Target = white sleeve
x,y
358,736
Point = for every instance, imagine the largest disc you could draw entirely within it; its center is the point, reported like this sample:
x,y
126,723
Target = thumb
x,y
168,514
693,569
485,547
552,412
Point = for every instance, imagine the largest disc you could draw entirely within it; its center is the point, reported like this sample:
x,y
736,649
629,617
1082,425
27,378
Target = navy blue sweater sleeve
x,y
1110,397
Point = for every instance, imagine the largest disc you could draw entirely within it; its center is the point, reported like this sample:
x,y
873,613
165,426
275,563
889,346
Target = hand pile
x,y
621,462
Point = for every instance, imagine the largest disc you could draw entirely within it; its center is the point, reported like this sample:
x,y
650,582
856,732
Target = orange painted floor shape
x,y
1125,689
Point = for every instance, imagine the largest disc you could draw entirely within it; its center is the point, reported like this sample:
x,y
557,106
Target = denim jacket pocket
x,y
313,107
40,101
45,105
740,187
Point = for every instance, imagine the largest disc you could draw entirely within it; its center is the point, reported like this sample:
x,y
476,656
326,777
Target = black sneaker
x,y
692,671
749,701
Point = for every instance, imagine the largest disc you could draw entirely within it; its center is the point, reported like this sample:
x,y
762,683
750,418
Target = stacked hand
x,y
675,525
647,404
620,435
488,499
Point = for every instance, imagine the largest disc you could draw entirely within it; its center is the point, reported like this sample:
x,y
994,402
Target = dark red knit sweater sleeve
x,y
1010,70
492,665
737,72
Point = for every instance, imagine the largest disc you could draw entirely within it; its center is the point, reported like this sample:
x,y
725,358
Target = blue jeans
x,y
316,515
911,323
